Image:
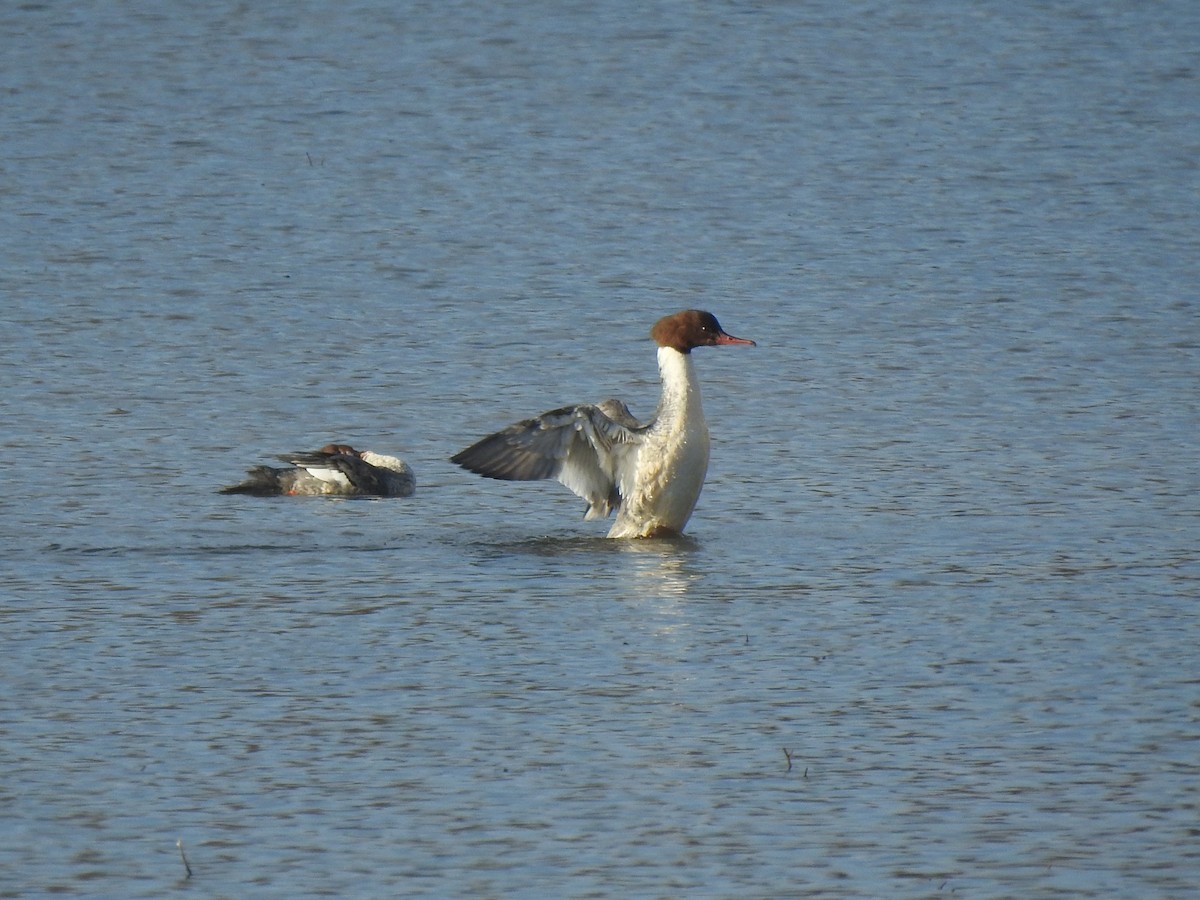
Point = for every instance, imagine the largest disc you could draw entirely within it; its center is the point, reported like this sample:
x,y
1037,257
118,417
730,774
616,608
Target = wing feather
x,y
581,447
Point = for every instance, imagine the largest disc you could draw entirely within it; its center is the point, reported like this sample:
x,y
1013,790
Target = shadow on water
x,y
547,546
558,546
645,569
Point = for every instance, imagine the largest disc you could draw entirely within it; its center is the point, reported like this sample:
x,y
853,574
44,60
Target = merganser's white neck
x,y
680,389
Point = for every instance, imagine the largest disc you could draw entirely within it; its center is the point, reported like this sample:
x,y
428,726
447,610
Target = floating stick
x,y
183,856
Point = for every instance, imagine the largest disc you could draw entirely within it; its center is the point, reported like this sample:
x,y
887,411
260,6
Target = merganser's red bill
x,y
724,338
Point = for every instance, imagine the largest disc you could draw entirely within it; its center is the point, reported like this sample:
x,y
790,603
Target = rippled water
x,y
934,626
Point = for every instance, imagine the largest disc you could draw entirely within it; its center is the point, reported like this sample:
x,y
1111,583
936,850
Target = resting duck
x,y
335,469
651,473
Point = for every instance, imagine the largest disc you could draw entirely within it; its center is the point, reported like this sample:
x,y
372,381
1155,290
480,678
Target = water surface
x,y
933,628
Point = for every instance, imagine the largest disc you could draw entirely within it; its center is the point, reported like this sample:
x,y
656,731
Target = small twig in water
x,y
788,753
183,856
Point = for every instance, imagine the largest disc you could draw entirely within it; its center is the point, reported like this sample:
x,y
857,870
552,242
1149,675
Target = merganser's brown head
x,y
692,328
338,450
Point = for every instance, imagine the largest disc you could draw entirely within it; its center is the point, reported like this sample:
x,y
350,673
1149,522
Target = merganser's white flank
x,y
335,469
650,473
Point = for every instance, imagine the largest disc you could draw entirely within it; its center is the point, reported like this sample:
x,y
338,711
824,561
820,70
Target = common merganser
x,y
651,473
336,469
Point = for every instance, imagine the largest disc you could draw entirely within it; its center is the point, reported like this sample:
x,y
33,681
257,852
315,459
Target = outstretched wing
x,y
585,448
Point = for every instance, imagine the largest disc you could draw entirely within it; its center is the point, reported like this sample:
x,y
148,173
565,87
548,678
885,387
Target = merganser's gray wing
x,y
589,449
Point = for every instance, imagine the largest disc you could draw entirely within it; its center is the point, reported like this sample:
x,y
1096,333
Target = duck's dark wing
x,y
588,449
343,469
263,481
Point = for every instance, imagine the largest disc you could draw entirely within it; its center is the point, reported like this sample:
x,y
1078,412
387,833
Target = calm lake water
x,y
934,629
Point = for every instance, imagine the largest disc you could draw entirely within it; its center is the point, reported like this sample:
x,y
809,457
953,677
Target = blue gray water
x,y
934,629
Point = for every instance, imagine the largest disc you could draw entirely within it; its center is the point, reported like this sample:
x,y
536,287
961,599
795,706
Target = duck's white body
x,y
652,473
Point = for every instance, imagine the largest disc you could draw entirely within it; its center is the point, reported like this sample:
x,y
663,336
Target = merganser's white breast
x,y
652,473
669,469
